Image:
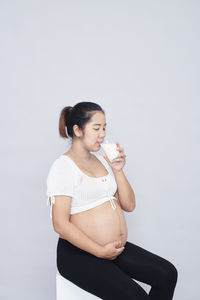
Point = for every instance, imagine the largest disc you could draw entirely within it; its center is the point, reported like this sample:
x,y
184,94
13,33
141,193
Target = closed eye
x,y
98,129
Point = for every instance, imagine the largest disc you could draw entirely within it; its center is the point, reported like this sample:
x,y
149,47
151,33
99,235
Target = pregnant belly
x,y
102,223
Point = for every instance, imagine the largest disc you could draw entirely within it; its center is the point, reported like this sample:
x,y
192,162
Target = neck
x,y
78,150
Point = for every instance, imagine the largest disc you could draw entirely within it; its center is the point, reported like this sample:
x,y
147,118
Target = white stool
x,y
67,290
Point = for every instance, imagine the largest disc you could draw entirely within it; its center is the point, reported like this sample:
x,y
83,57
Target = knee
x,y
171,275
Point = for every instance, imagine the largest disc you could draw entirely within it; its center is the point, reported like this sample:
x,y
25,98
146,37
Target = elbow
x,y
132,206
131,209
60,227
57,229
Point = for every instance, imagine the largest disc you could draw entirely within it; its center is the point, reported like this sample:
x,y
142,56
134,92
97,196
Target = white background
x,y
140,61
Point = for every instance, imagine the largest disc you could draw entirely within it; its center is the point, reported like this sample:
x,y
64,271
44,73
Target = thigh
x,y
101,277
143,265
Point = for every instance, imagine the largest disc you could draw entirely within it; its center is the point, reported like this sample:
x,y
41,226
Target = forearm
x,y
78,238
125,191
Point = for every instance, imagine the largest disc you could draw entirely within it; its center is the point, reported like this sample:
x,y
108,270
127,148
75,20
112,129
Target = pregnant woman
x,y
87,195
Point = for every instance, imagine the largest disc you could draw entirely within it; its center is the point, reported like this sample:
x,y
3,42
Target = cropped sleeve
x,y
60,181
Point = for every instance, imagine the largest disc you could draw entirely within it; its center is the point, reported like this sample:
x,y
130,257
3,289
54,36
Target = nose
x,y
102,134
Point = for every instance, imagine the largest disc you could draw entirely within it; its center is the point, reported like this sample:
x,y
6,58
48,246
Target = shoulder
x,y
61,178
61,166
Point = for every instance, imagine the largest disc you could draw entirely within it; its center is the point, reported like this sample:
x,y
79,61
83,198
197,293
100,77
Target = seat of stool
x,y
67,290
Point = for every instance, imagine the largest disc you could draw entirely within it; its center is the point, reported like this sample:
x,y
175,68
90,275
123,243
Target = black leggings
x,y
112,279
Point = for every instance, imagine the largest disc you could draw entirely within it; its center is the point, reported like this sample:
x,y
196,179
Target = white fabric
x,y
65,289
66,178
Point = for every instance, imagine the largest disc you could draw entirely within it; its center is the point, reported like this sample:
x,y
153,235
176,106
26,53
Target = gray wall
x,y
140,61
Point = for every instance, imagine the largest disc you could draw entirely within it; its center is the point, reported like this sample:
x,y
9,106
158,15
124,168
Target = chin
x,y
97,148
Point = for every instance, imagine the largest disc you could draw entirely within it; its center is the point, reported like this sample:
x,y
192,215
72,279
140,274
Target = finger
x,y
120,249
122,155
118,146
120,149
118,160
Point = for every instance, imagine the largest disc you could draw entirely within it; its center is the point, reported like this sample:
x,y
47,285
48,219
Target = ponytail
x,y
79,114
63,120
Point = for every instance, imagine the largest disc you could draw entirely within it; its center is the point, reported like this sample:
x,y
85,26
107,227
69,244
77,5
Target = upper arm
x,y
60,210
60,191
117,196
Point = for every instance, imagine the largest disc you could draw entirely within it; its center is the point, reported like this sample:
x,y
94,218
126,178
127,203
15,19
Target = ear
x,y
77,131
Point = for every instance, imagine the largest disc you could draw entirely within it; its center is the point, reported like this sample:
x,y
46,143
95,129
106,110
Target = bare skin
x,y
101,223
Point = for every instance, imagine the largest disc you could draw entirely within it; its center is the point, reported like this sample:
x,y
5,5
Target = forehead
x,y
98,119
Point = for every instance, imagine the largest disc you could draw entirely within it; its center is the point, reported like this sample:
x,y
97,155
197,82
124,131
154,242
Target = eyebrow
x,y
100,124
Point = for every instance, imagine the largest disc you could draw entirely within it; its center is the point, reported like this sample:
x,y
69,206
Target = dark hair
x,y
79,114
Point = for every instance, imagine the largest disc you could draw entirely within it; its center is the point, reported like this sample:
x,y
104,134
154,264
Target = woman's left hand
x,y
119,162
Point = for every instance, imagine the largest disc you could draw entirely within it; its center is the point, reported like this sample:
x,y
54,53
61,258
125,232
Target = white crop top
x,y
66,178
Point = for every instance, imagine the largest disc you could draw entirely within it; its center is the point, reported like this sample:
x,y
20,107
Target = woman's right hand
x,y
112,250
